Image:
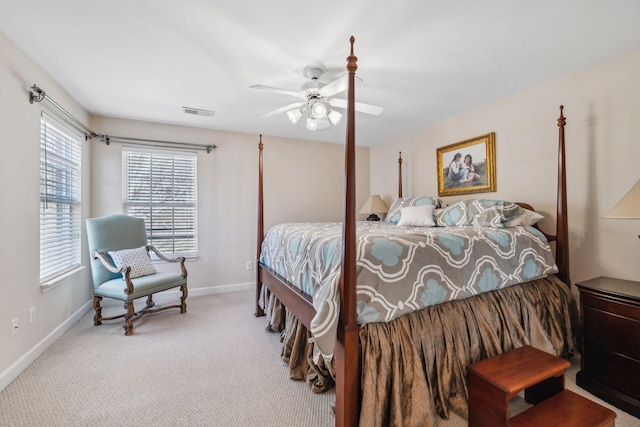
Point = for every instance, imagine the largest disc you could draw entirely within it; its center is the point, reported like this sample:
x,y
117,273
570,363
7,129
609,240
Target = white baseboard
x,y
210,290
30,356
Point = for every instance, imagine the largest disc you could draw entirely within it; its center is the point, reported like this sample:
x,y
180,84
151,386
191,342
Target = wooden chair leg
x,y
128,318
183,299
97,318
150,302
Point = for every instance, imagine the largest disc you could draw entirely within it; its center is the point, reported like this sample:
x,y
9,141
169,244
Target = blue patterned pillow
x,y
393,216
482,212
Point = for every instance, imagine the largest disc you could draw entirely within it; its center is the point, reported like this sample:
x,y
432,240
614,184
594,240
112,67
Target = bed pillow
x,y
528,217
419,216
480,212
393,216
138,259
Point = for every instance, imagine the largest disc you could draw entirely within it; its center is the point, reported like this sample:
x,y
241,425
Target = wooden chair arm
x,y
104,260
125,270
179,259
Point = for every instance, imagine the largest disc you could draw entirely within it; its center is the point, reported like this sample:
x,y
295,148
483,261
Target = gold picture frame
x,y
455,176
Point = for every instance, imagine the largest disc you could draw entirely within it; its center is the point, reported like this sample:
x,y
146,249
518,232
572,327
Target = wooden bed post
x,y
400,174
259,311
562,230
347,350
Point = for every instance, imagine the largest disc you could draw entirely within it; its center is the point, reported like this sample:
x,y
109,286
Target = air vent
x,y
198,111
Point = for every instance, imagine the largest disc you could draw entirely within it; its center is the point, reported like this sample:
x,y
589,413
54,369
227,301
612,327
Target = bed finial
x,y
352,59
562,121
260,145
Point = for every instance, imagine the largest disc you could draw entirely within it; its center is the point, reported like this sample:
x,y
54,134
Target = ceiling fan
x,y
317,100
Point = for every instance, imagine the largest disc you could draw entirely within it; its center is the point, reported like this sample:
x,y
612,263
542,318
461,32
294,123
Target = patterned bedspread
x,y
401,269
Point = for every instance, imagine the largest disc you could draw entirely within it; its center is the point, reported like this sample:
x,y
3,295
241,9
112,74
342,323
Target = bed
x,y
397,354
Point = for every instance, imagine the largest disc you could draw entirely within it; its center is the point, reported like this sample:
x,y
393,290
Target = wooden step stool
x,y
495,381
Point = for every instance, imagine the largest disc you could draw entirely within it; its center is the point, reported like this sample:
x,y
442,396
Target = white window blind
x,y
60,189
160,186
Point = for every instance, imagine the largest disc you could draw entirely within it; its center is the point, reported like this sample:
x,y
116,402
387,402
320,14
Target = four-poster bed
x,y
407,369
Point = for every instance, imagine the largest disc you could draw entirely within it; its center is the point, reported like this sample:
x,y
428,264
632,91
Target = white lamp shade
x,y
334,117
294,115
629,206
374,204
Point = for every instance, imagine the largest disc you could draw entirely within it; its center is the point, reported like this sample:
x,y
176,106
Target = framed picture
x,y
468,166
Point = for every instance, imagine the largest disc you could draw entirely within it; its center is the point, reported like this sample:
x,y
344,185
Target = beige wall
x,y
19,216
303,182
602,106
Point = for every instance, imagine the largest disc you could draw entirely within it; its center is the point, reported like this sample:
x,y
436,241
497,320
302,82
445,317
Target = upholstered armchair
x,y
122,269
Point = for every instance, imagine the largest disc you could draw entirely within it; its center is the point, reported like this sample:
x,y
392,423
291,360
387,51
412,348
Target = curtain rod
x,y
108,139
38,95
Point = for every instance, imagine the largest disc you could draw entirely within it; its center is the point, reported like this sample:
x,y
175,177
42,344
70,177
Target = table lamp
x,y
374,205
629,206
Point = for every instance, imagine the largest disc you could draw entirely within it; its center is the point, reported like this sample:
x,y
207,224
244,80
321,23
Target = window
x,y
160,186
60,188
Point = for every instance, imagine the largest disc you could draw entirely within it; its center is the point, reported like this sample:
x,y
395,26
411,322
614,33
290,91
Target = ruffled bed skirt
x,y
414,367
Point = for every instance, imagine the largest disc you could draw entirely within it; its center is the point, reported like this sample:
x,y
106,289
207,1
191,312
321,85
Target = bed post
x,y
259,311
347,350
562,230
400,174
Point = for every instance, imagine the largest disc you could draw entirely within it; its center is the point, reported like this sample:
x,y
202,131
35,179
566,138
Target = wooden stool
x,y
565,409
495,381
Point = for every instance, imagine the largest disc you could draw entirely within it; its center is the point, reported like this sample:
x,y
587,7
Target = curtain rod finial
x,y
36,94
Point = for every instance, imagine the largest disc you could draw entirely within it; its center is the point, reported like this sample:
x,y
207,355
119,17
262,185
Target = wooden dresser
x,y
610,325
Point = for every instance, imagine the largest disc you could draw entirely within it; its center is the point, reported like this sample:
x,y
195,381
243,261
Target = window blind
x,y
160,186
60,190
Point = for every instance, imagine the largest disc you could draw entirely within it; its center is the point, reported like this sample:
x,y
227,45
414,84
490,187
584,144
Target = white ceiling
x,y
422,60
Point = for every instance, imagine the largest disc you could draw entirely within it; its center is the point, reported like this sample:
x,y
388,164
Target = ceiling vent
x,y
198,111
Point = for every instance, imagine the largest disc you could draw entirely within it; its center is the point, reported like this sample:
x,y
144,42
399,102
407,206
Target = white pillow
x,y
138,259
526,218
420,216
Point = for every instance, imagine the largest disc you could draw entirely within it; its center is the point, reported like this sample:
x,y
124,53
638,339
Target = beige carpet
x,y
213,366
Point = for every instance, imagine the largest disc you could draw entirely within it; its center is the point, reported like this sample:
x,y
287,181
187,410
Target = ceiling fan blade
x,y
285,108
363,108
335,87
300,95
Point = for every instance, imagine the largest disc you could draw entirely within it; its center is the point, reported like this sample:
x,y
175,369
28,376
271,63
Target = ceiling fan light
x,y
318,109
294,115
312,123
334,117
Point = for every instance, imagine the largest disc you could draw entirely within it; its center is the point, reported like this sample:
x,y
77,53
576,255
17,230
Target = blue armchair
x,y
122,269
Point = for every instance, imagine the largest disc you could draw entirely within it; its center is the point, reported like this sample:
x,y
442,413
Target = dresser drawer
x,y
611,305
618,333
616,370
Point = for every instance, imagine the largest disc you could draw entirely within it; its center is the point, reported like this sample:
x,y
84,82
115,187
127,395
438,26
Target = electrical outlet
x,y
32,315
14,327
249,265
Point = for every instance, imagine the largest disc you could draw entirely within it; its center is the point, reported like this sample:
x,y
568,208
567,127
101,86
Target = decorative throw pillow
x,y
527,218
138,259
482,212
393,216
419,216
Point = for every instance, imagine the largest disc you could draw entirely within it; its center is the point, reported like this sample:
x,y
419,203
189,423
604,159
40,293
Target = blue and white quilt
x,y
401,269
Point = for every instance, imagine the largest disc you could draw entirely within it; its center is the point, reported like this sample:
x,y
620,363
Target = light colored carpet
x,y
213,366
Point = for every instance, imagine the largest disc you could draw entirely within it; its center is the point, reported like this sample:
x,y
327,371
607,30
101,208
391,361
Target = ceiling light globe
x,y
318,109
312,123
